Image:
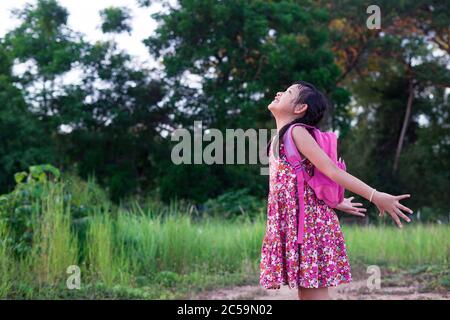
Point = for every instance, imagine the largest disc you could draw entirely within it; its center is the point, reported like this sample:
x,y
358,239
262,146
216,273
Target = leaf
x,y
42,177
35,171
19,176
53,170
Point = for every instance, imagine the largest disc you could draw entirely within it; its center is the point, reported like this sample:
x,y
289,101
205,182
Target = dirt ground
x,y
395,287
356,290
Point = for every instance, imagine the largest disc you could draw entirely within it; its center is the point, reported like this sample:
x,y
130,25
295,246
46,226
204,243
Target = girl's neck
x,y
281,122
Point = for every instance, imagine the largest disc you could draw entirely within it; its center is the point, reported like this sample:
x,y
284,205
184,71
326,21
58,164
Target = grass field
x,y
136,253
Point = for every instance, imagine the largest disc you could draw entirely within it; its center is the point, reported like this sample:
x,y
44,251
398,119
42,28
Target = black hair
x,y
317,105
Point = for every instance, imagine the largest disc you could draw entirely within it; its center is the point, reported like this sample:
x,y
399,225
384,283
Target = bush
x,y
235,204
18,207
194,182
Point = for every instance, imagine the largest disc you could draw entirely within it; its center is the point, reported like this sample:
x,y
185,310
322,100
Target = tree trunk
x,y
405,119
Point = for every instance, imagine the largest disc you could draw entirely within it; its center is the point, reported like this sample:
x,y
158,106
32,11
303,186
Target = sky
x,y
84,17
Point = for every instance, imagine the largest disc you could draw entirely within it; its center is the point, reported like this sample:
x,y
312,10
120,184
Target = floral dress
x,y
321,261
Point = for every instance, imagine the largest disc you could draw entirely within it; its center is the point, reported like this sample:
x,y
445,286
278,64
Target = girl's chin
x,y
272,104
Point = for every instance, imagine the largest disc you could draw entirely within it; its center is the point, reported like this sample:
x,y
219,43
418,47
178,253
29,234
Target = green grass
x,y
177,243
107,259
146,254
55,246
5,264
408,247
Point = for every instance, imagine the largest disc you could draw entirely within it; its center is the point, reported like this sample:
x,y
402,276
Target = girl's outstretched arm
x,y
384,201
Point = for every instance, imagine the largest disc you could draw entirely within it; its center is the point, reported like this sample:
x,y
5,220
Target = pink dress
x,y
321,261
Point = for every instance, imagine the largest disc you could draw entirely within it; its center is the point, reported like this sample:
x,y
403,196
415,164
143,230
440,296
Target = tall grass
x,y
5,264
177,243
107,258
126,244
54,245
413,245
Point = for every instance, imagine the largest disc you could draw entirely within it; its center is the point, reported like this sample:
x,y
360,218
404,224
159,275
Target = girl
x,y
321,260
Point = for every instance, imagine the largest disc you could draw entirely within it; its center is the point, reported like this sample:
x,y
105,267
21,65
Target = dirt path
x,y
356,290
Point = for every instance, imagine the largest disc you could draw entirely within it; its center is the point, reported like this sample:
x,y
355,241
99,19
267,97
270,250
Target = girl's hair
x,y
317,105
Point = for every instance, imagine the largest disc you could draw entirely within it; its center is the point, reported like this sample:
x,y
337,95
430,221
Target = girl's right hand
x,y
387,202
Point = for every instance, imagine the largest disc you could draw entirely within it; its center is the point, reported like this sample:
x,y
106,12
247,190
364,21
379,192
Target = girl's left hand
x,y
352,208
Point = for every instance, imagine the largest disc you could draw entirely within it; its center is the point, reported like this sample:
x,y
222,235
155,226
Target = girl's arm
x,y
384,201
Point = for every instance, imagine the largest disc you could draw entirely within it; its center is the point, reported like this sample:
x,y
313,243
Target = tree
x,y
107,123
115,20
402,109
398,77
241,53
23,141
122,119
44,41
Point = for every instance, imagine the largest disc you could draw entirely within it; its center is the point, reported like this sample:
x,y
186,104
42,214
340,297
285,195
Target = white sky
x,y
84,17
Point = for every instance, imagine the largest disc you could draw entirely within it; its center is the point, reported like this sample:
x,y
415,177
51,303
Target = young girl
x,y
321,261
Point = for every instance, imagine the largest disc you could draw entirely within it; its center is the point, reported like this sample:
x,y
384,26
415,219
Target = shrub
x,y
234,204
18,207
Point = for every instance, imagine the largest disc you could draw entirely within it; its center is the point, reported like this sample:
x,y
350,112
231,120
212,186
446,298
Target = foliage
x,y
115,20
242,53
20,207
23,140
235,203
54,246
222,62
112,106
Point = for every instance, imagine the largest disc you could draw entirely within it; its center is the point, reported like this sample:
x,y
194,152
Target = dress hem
x,y
298,287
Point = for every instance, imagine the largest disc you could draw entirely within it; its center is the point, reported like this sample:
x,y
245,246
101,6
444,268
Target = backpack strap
x,y
294,158
304,125
290,149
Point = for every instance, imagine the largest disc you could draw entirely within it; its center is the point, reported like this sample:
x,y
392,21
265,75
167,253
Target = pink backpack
x,y
325,189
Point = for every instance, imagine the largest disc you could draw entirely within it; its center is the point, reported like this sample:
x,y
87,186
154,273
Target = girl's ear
x,y
300,108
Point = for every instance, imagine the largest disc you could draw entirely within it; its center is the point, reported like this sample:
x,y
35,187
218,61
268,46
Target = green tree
x,y
115,20
401,132
115,128
23,141
106,123
398,77
44,42
241,53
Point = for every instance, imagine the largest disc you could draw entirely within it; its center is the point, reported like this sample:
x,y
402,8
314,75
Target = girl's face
x,y
283,103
